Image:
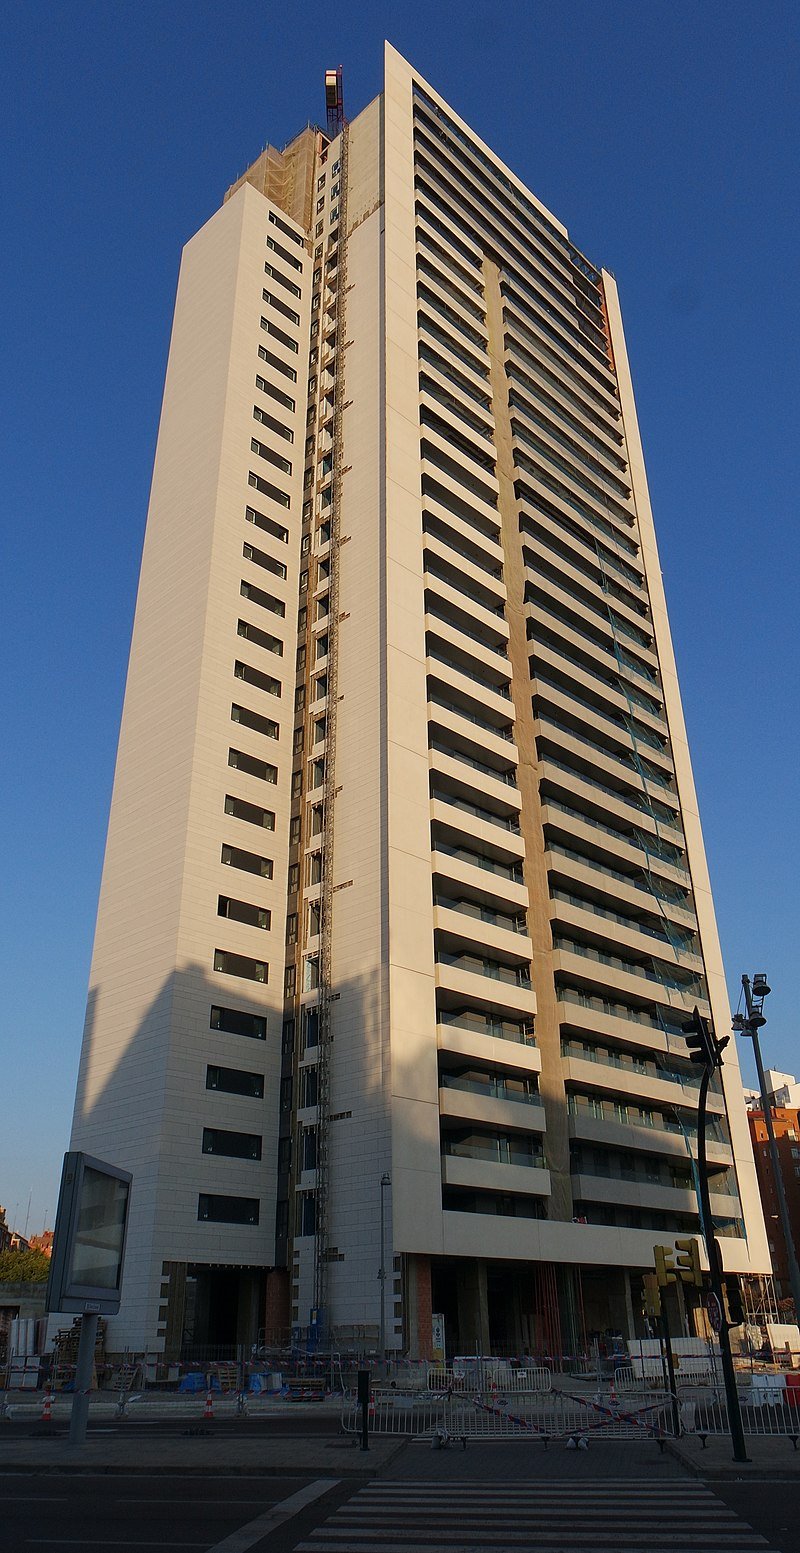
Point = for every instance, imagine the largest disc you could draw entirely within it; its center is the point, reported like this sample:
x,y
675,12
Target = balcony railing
x,y
493,1087
490,1025
493,970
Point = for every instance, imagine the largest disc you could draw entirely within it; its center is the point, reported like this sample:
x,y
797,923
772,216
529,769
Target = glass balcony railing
x,y
511,871
499,731
682,940
507,822
493,1152
687,986
643,802
491,970
491,1087
676,897
482,913
509,776
476,1023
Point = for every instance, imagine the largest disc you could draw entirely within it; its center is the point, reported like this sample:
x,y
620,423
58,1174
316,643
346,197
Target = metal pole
x,y
715,1272
83,1380
385,1181
791,1255
673,1391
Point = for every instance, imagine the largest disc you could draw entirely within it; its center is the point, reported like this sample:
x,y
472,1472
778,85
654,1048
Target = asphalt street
x,y
623,1497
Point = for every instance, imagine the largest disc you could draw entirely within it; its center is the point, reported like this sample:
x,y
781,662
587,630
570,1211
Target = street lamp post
x,y
386,1180
750,1024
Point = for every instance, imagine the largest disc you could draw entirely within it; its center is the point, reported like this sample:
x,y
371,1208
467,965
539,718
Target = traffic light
x,y
688,1263
700,1040
665,1271
737,1314
652,1294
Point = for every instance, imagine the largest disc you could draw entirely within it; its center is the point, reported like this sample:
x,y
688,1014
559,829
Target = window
x,y
276,459
283,280
297,783
308,1149
289,981
235,1081
228,964
294,878
281,307
300,698
274,425
248,862
287,1037
243,911
300,658
304,581
311,973
260,558
274,393
310,1027
291,928
263,639
280,366
298,740
227,1210
309,1090
257,677
286,1094
320,204
254,767
234,1021
297,237
279,334
294,830
240,809
283,253
256,595
248,719
266,489
302,617
284,1155
305,1214
234,1145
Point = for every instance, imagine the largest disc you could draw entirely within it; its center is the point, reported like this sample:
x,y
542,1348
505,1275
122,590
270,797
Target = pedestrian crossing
x,y
556,1517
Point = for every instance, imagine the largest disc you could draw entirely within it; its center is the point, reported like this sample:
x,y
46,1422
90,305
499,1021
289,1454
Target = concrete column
x,y
276,1306
418,1307
473,1307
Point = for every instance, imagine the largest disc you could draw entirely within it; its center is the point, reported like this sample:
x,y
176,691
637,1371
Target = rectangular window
x,y
309,1088
234,1145
275,393
248,862
275,361
266,524
259,638
240,761
287,1037
279,334
273,425
297,237
240,809
282,1218
284,1155
243,911
297,783
262,559
291,928
300,698
256,595
248,719
294,878
282,280
280,307
243,965
286,1094
283,253
267,489
255,677
289,981
305,1214
234,1021
310,1027
294,830
276,459
308,1155
227,1210
235,1081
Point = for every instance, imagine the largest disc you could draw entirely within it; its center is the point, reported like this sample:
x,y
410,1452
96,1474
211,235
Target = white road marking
x,y
247,1536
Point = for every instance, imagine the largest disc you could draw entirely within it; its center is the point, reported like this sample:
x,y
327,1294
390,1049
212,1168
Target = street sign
x,y
89,1240
714,1313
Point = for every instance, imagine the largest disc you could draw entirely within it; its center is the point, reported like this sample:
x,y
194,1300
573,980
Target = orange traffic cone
x,y
47,1409
208,1410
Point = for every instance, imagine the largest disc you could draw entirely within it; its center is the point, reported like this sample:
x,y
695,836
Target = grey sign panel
x,y
89,1240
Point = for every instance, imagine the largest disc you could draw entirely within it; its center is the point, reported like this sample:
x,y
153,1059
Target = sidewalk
x,y
771,1456
203,1453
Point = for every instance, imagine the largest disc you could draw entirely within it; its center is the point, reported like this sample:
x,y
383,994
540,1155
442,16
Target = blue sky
x,y
663,135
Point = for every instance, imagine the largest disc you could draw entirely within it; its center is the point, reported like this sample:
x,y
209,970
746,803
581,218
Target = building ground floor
x,y
449,1306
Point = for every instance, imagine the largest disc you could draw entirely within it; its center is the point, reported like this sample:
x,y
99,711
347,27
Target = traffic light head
x,y
665,1271
652,1294
703,1048
688,1262
733,1299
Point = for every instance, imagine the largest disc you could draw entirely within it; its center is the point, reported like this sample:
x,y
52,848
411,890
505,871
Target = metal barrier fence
x,y
556,1416
485,1375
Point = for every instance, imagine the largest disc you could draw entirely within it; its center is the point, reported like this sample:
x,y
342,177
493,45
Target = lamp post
x,y
750,1024
386,1180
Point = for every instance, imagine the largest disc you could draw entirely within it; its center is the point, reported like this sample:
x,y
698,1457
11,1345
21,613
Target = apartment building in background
x,y
783,1092
405,881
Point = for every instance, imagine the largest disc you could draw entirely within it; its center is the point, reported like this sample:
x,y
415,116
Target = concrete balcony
x,y
640,1194
583,607
578,968
618,765
475,396
582,547
491,1176
461,565
454,305
598,726
498,841
573,785
601,599
615,847
489,701
452,405
477,654
507,1115
488,992
507,894
611,700
471,610
610,931
646,1088
599,651
515,1056
472,931
538,365
502,795
650,1140
568,869
484,739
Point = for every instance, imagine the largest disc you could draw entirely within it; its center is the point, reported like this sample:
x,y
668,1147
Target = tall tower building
x,y
405,895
